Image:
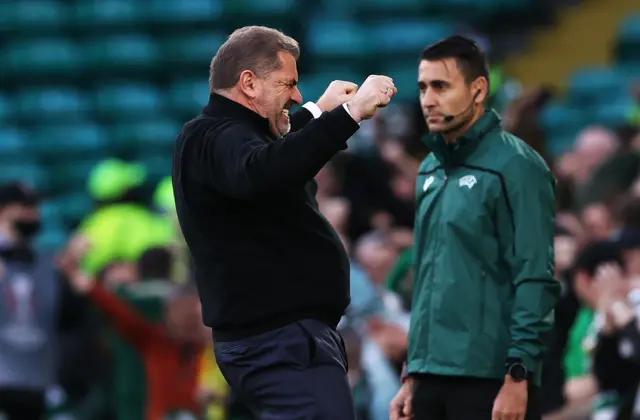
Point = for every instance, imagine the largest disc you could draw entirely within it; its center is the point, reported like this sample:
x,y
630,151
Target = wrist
x,y
353,111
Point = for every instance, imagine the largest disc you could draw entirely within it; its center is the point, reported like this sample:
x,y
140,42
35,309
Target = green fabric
x,y
484,283
111,178
122,232
400,280
576,359
129,377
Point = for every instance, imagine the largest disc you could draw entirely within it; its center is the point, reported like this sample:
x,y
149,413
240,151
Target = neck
x,y
235,95
452,136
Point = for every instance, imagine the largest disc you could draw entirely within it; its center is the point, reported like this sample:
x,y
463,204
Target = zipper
x,y
435,201
483,298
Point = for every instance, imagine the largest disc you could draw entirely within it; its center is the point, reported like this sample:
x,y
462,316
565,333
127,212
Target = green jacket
x,y
484,262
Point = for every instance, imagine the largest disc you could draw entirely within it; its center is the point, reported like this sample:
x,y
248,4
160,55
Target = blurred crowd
x,y
110,327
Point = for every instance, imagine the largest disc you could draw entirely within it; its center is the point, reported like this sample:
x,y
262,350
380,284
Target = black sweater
x,y
264,255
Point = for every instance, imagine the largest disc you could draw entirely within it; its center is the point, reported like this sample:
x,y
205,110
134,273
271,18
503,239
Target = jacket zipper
x,y
432,262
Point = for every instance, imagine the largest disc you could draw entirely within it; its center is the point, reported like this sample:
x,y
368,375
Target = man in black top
x,y
272,274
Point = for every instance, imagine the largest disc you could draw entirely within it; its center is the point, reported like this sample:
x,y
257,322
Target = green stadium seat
x,y
157,166
90,13
68,141
42,57
6,110
58,103
387,6
74,206
52,239
12,144
189,96
127,52
340,38
593,85
560,119
259,8
192,49
614,114
406,36
128,101
65,177
629,39
33,16
180,11
24,171
156,134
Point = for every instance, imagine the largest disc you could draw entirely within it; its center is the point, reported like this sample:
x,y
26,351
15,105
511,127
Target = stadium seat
x,y
561,119
6,106
127,52
157,167
340,38
24,171
59,103
180,11
90,13
592,85
189,96
157,135
127,101
12,144
65,177
259,8
52,239
74,206
68,141
614,114
193,49
33,16
629,39
406,36
41,57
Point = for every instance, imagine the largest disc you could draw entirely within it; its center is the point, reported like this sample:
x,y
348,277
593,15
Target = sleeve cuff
x,y
313,109
527,361
346,108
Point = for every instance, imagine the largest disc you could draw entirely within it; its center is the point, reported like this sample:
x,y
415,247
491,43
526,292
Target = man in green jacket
x,y
484,287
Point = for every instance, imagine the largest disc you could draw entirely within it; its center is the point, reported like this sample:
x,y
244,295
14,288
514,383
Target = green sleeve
x,y
400,270
526,224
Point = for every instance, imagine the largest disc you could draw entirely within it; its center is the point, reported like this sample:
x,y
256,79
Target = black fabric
x,y
462,398
17,404
264,255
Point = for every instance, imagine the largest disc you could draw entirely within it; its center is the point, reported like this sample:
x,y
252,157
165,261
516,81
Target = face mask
x,y
28,228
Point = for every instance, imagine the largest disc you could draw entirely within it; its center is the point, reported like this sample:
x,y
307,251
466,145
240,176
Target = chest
x,y
463,198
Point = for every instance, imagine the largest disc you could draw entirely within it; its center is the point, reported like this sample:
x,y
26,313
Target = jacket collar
x,y
456,152
220,106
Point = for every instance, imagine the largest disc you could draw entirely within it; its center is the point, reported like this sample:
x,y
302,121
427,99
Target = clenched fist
x,y
338,93
376,92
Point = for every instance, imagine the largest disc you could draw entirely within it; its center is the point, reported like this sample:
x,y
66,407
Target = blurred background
x,y
93,93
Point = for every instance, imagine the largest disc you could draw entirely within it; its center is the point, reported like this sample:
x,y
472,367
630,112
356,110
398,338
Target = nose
x,y
296,96
428,99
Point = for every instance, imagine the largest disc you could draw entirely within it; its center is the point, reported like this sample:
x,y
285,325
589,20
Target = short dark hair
x,y
470,58
594,254
252,48
155,263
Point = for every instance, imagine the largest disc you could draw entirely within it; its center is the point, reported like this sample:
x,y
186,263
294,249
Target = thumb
x,y
350,88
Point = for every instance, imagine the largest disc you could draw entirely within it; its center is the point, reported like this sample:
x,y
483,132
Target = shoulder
x,y
203,133
517,157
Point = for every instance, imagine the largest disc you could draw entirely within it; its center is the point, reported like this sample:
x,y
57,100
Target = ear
x,y
480,89
249,84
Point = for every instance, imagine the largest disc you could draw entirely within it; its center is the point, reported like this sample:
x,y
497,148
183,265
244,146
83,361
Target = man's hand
x,y
338,93
376,92
402,403
511,402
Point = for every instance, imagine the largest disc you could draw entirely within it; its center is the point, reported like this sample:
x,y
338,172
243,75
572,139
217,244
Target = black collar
x,y
220,106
